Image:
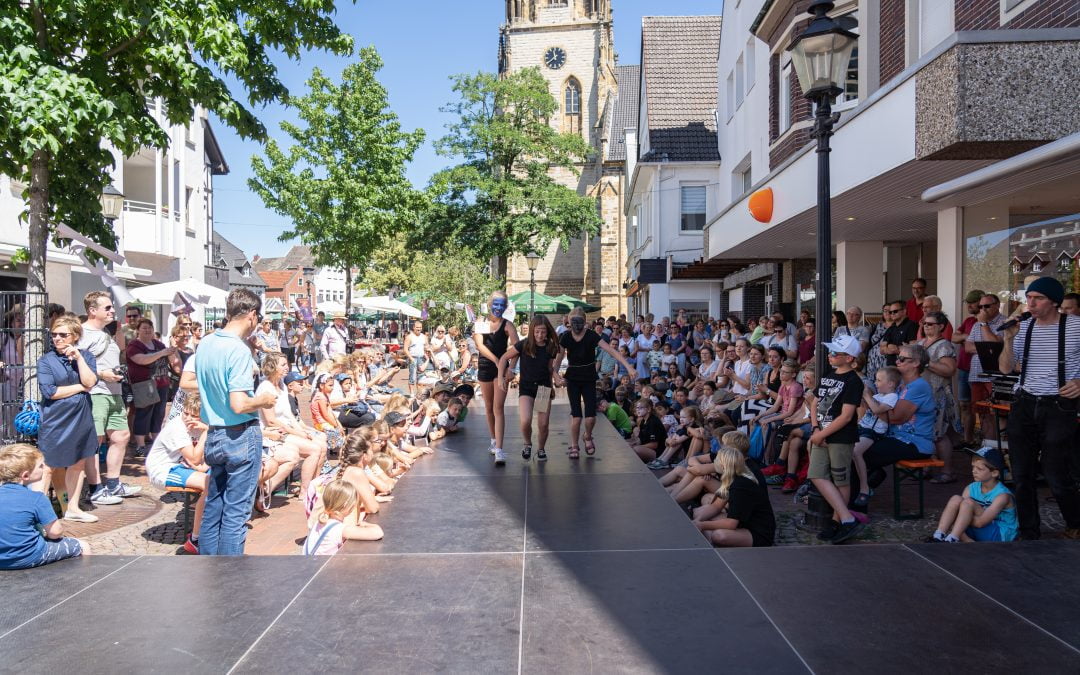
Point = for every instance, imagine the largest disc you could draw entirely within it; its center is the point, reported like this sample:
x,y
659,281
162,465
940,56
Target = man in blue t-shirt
x,y
225,372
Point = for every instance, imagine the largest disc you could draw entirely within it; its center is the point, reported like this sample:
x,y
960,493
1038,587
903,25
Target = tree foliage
x,y
342,182
440,277
501,199
73,75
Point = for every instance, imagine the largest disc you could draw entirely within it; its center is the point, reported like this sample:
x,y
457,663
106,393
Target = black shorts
x,y
487,371
582,392
529,388
290,354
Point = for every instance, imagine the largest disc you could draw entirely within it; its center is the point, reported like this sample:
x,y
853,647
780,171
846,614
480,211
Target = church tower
x,y
571,41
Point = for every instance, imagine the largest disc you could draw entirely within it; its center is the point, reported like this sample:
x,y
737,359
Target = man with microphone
x,y
1045,349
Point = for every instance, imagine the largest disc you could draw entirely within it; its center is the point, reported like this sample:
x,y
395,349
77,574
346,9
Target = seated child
x,y
26,515
447,420
176,460
793,433
616,415
687,438
668,358
338,521
986,511
746,517
699,475
874,424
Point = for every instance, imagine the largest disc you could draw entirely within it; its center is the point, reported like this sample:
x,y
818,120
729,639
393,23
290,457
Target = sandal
x,y
526,452
574,452
590,447
541,454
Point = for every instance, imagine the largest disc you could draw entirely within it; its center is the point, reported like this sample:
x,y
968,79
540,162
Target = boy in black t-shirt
x,y
835,432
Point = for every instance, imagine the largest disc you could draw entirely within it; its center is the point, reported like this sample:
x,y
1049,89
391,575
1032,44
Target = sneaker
x,y
80,517
491,448
125,490
103,497
526,452
775,470
500,457
541,454
190,547
140,452
777,479
791,484
829,531
847,531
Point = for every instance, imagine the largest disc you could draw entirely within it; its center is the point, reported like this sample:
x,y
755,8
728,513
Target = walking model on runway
x,y
580,378
536,356
492,334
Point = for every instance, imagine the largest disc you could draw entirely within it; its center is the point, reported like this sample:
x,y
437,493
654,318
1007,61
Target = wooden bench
x,y
910,471
190,495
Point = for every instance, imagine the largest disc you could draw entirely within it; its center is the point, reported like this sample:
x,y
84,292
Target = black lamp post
x,y
532,258
820,56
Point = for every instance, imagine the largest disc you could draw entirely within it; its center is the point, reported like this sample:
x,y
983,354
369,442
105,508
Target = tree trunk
x,y
34,342
348,289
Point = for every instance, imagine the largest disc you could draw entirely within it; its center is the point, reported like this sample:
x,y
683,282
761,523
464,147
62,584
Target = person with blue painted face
x,y
580,346
493,335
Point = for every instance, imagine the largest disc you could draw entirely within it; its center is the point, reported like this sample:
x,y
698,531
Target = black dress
x,y
535,370
497,342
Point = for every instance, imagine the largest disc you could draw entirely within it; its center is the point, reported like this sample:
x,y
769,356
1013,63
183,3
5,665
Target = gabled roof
x,y
678,60
625,113
235,260
277,278
298,257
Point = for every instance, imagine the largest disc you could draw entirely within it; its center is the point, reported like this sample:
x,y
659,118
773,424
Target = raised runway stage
x,y
575,567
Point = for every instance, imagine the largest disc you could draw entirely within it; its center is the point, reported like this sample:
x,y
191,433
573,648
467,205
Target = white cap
x,y
844,344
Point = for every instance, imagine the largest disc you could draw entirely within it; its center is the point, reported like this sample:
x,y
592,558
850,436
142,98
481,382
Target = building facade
x,y
164,231
949,143
673,169
572,42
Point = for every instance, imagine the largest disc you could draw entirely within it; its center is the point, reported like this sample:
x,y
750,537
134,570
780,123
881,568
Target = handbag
x,y
144,394
28,421
757,444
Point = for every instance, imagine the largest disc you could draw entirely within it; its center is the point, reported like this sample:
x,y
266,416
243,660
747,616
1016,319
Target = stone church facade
x,y
572,43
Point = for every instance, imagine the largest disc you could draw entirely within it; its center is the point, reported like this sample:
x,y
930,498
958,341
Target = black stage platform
x,y
556,567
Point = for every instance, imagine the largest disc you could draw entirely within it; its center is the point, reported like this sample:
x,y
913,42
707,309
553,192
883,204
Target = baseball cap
x,y
844,344
992,456
293,376
394,418
341,377
973,296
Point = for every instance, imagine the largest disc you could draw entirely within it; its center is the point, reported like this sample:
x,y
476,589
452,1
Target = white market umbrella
x,y
193,289
383,303
329,307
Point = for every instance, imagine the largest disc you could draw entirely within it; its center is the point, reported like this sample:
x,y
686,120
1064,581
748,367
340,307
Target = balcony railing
x,y
133,206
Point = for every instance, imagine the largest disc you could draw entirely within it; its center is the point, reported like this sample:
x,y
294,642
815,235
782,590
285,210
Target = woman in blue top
x,y
911,421
67,435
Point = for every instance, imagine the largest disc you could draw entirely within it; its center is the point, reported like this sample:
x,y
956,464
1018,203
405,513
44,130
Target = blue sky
x,y
422,44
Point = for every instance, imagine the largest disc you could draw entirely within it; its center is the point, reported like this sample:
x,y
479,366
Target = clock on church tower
x,y
555,58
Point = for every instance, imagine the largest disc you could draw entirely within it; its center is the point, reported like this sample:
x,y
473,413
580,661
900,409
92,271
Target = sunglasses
x,y
904,359
106,308
832,354
62,335
930,323
988,306
133,316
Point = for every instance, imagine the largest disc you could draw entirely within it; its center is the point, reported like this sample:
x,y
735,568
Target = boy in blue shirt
x,y
986,510
25,515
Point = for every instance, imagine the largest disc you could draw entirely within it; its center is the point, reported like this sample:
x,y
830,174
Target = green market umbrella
x,y
544,304
574,302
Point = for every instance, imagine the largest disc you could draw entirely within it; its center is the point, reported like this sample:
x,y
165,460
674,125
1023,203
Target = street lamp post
x,y
820,56
532,258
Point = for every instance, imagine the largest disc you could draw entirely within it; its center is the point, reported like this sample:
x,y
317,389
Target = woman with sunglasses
x,y
148,361
939,374
67,437
441,349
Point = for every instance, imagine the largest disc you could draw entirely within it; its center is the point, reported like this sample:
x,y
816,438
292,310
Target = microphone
x,y
1012,322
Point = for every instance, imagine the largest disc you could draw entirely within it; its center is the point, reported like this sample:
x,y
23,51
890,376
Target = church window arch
x,y
572,106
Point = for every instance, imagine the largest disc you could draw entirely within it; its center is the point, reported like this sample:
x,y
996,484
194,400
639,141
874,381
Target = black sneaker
x,y
526,452
847,531
829,531
541,454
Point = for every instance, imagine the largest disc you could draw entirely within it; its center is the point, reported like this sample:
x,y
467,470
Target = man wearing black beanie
x,y
1042,421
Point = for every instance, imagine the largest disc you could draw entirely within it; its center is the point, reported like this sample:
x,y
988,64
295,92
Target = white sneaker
x,y
500,456
103,497
491,448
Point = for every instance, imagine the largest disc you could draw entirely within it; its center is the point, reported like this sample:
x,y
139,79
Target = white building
x,y
165,227
672,167
937,90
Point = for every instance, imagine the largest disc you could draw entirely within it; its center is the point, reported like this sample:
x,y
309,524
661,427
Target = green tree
x,y
343,182
76,76
502,199
439,277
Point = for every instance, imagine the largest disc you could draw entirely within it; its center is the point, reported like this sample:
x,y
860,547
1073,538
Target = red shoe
x,y
775,470
190,547
790,485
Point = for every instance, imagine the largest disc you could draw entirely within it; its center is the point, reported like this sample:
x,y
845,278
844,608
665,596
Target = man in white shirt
x,y
335,338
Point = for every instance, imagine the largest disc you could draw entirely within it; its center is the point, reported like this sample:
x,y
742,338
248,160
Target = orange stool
x,y
910,471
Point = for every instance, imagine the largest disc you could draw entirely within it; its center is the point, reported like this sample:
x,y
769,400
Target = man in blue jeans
x,y
225,370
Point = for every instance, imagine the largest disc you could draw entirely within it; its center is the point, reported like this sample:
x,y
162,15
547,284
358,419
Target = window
x,y
636,224
572,107
693,208
784,98
851,81
1036,265
1010,9
749,64
740,80
741,180
730,95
